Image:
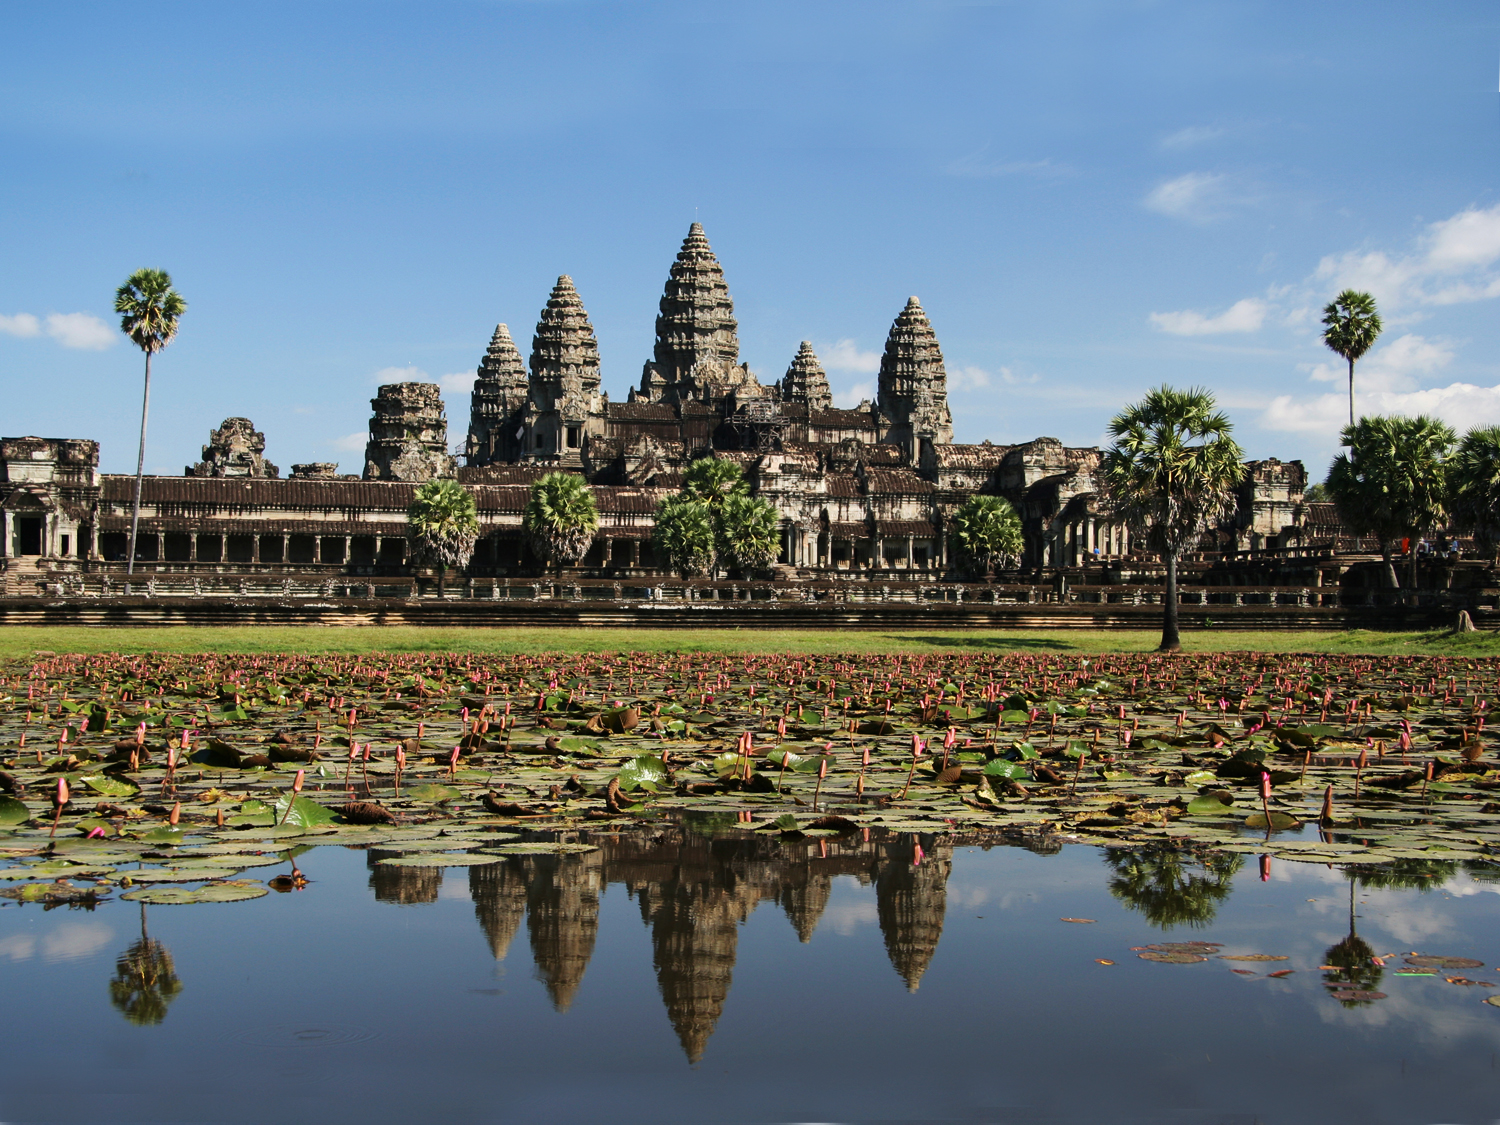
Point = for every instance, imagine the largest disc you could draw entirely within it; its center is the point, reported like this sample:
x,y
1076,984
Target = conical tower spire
x,y
565,402
911,899
914,383
497,402
806,381
697,354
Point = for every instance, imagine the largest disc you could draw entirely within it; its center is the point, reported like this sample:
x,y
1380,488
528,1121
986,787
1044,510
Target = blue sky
x,y
1089,198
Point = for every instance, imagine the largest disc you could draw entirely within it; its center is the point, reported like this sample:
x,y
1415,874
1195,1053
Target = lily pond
x,y
978,887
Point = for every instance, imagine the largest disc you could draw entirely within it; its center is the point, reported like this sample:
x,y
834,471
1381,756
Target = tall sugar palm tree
x,y
713,479
1392,482
986,532
1169,476
443,524
1351,325
684,534
560,519
149,310
746,532
1474,486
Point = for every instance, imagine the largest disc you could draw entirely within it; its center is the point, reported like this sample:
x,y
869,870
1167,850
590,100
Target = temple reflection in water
x,y
694,889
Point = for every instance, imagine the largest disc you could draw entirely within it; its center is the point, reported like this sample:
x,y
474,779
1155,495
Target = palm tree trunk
x,y
1351,392
442,572
140,469
1170,641
1391,581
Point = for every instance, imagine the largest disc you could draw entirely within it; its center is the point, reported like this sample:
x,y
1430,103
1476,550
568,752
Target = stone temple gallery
x,y
863,490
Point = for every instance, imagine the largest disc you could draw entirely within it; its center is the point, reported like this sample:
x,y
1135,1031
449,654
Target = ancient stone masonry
x,y
235,449
697,356
565,404
805,381
865,492
913,384
497,411
408,434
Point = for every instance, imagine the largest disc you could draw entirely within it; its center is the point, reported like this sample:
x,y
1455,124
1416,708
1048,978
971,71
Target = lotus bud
x,y
400,758
297,781
63,794
176,814
1265,869
1265,786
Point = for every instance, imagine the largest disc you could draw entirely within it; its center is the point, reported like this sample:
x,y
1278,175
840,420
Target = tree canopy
x,y
560,519
985,532
1350,327
1474,485
443,524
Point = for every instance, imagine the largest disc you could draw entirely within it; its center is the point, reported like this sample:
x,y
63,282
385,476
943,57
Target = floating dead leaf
x,y
1432,961
1179,957
1251,957
1080,921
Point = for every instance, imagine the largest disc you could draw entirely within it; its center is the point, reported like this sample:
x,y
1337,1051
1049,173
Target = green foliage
x,y
684,534
986,532
1392,482
1317,494
443,523
1351,325
145,982
746,532
1474,485
713,479
1169,887
1170,475
560,518
149,309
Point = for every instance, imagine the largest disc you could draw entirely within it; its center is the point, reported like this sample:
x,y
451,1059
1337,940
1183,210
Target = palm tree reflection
x,y
145,980
1172,887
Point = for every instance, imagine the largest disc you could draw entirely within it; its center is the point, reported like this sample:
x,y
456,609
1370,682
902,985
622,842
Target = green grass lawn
x,y
25,640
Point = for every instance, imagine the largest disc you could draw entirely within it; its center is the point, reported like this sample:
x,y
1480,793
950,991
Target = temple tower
x,y
408,434
913,398
497,407
805,381
235,449
565,403
697,354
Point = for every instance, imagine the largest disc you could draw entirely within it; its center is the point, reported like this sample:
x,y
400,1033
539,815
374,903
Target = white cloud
x,y
846,356
1462,405
71,330
18,947
1242,316
22,324
72,940
80,330
410,374
350,443
1192,135
1453,262
979,164
1396,366
1193,196
460,382
968,378
853,395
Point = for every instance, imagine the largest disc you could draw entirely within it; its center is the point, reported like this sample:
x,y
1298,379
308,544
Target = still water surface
x,y
697,978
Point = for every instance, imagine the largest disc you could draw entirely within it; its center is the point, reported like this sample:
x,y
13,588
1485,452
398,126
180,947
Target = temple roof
x,y
501,385
696,322
564,351
913,381
805,381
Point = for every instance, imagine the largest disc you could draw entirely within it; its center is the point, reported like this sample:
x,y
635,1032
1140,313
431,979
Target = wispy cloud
x,y
980,164
411,374
1453,262
1196,197
1461,405
1397,366
71,330
852,395
1242,316
1192,136
460,382
350,443
968,378
846,356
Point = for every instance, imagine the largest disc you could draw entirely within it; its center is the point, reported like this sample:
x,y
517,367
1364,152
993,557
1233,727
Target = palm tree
x,y
560,519
149,309
1392,481
746,533
145,980
986,531
1350,327
443,524
1474,486
684,535
1349,964
1169,476
712,479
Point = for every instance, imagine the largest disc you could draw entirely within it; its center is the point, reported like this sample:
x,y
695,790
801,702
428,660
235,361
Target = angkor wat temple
x,y
861,491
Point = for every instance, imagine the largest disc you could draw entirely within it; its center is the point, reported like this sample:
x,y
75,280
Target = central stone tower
x,y
565,405
697,354
913,402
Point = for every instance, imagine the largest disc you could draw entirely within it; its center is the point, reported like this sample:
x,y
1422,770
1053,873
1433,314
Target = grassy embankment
x,y
22,641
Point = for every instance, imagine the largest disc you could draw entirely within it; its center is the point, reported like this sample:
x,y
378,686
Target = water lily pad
x,y
1179,958
433,793
1251,957
1428,961
440,859
540,847
107,785
54,869
232,890
13,811
189,875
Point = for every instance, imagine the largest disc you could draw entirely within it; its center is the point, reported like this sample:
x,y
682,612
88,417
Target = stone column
x,y
877,558
255,547
910,551
348,549
223,547
193,547
161,546
317,548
